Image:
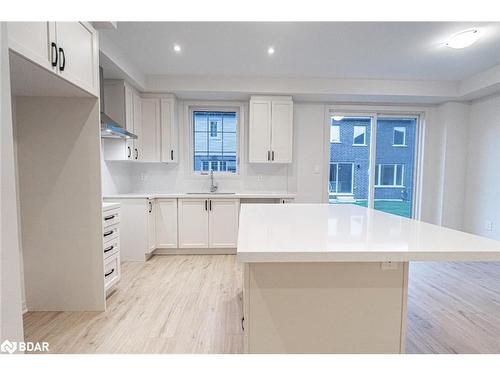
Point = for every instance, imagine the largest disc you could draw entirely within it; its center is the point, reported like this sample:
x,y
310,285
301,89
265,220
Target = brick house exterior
x,y
395,152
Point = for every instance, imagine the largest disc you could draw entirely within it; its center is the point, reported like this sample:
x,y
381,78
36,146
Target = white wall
x,y
11,324
482,183
454,122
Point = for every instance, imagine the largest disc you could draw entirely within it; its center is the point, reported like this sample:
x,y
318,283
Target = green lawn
x,y
393,207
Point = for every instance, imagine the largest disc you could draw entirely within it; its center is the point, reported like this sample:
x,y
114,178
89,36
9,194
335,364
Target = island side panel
x,y
324,307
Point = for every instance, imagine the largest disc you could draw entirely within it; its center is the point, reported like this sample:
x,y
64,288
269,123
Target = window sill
x,y
391,186
399,145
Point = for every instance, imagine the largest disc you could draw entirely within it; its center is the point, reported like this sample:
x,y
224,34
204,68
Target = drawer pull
x,y
109,248
108,233
109,217
109,273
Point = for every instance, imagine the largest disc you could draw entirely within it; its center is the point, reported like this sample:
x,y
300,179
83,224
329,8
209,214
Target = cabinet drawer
x,y
111,247
111,270
110,217
110,233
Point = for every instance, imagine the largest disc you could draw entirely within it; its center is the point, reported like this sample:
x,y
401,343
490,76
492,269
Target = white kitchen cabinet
x,y
135,125
137,228
208,223
223,223
260,131
151,221
270,130
33,41
193,223
169,130
69,49
166,223
150,130
78,54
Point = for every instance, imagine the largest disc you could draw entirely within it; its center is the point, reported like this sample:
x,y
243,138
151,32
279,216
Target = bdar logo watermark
x,y
23,346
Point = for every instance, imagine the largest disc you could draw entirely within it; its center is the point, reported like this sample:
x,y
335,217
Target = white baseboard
x,y
228,251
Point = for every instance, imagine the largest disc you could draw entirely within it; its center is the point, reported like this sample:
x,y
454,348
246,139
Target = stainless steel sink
x,y
208,193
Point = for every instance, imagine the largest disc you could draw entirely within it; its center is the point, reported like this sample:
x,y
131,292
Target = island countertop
x,y
350,233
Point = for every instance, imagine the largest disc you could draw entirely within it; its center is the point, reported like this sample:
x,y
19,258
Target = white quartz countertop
x,y
255,195
350,233
109,205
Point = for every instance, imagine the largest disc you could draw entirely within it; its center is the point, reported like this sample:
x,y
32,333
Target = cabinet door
x,y
169,133
150,129
282,131
193,223
33,41
151,225
136,115
223,222
259,141
166,223
79,43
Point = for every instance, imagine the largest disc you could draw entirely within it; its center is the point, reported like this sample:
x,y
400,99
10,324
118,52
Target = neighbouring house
x,y
350,158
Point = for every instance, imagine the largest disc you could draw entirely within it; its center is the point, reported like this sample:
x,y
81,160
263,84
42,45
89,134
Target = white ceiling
x,y
377,50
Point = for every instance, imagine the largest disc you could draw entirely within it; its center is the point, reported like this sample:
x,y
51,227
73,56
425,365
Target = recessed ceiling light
x,y
270,51
463,39
338,118
177,48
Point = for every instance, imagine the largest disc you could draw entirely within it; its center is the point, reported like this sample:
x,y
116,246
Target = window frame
x,y
394,136
190,108
378,174
354,137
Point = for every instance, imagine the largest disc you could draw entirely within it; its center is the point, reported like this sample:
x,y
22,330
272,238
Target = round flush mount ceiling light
x,y
338,118
463,39
270,51
177,48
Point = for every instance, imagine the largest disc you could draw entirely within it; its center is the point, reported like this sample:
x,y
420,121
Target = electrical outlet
x,y
488,225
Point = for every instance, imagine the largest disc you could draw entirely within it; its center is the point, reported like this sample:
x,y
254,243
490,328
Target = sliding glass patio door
x,y
373,171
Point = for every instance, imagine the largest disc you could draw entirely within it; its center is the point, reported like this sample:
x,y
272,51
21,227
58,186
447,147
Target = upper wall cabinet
x,y
169,130
271,129
149,136
69,49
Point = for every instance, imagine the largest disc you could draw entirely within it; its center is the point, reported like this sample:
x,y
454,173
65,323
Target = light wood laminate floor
x,y
193,304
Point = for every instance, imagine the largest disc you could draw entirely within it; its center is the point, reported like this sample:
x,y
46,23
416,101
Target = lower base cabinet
x,y
166,223
137,228
208,223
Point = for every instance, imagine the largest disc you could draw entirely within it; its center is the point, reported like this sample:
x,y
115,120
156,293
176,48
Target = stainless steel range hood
x,y
109,127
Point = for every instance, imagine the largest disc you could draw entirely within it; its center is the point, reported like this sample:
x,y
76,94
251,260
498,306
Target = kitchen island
x,y
322,278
